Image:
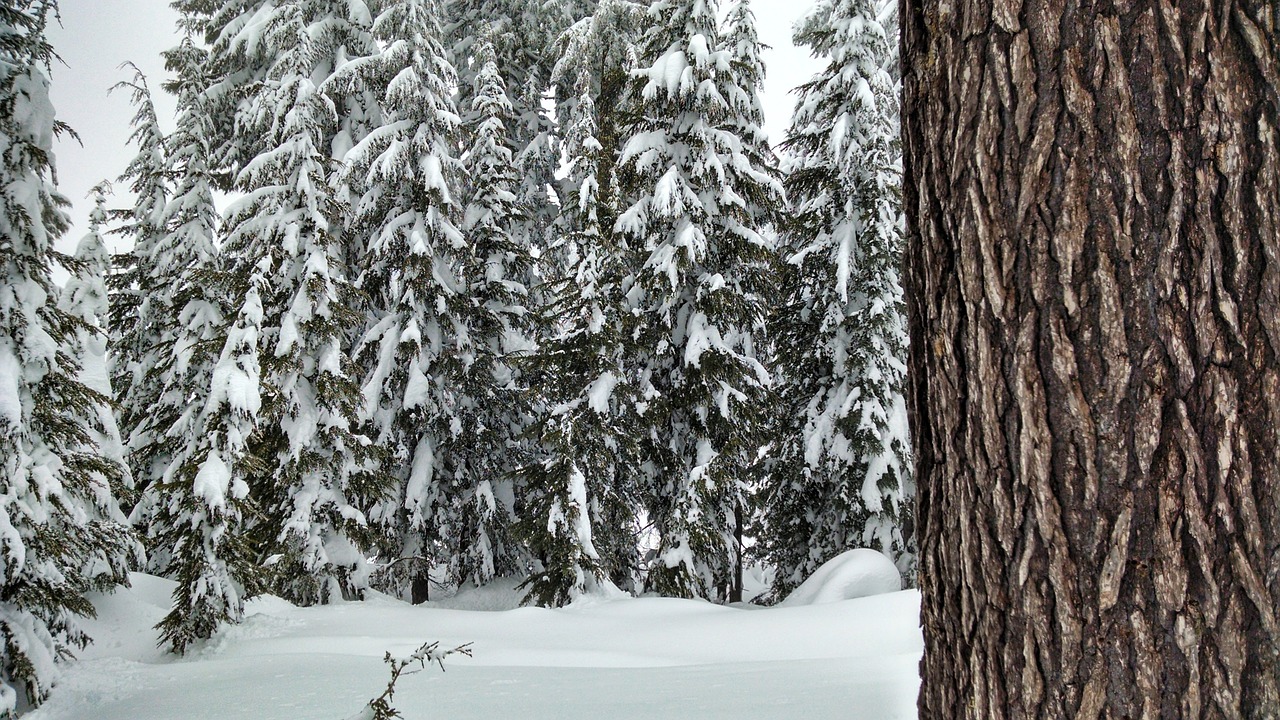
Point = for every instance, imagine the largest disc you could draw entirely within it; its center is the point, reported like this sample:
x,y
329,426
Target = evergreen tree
x,y
285,237
699,206
1095,358
139,286
742,93
196,505
403,177
580,485
522,34
887,14
199,508
84,297
597,55
579,469
162,383
63,534
487,414
842,471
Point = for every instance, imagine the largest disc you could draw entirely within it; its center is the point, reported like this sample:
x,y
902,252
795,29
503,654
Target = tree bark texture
x,y
1093,277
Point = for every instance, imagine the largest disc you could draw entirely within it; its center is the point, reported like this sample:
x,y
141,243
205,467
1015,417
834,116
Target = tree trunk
x,y
735,589
420,589
1093,277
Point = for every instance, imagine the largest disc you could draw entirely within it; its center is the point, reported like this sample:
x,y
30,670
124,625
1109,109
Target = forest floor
x,y
598,659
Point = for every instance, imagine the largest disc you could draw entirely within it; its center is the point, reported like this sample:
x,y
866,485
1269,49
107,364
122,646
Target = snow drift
x,y
851,574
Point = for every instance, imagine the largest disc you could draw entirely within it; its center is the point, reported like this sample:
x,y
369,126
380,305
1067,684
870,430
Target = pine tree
x,y
63,533
185,243
139,285
742,94
285,236
199,508
84,297
196,503
580,487
699,206
522,34
487,415
841,475
578,472
403,177
1095,358
597,55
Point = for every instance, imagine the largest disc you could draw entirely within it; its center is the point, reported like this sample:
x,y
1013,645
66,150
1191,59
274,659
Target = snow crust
x,y
852,574
621,659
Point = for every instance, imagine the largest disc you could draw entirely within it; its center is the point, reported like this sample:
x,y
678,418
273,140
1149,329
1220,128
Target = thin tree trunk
x,y
1093,277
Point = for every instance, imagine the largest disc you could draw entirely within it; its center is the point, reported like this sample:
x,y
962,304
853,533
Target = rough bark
x,y
1093,277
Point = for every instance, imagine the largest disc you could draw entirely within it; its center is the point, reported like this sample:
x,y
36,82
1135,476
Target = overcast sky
x,y
97,36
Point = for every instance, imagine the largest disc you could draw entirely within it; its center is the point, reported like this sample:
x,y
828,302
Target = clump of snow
x,y
212,481
10,385
851,574
600,392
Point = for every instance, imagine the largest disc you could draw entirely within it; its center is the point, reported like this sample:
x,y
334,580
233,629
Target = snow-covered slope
x,y
623,658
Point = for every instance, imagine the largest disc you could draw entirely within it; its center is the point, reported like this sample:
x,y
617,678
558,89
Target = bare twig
x,y
380,708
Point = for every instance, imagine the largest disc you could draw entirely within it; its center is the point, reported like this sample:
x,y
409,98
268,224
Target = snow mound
x,y
497,595
599,593
851,574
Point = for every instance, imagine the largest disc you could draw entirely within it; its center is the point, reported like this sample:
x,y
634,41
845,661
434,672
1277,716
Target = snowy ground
x,y
625,658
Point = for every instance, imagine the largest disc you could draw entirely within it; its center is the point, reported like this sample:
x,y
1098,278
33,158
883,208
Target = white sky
x,y
98,35
95,38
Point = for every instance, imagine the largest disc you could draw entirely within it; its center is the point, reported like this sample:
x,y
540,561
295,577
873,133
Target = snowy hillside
x,y
626,658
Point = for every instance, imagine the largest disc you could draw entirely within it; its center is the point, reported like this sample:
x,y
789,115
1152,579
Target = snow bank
x,y
852,574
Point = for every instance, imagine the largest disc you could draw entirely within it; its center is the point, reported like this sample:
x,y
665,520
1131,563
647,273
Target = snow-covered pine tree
x,y
742,94
63,533
285,236
583,452
699,207
199,509
137,285
841,475
345,37
596,55
488,413
580,490
887,14
338,31
195,440
184,242
519,33
84,297
403,177
742,43
523,35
